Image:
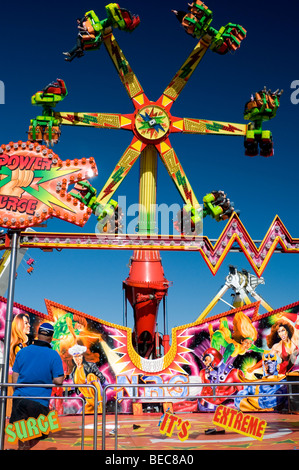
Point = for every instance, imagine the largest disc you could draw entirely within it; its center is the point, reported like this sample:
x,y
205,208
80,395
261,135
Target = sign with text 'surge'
x,y
34,183
32,428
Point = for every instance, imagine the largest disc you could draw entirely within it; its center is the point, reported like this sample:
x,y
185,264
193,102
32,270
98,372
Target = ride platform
x,y
142,433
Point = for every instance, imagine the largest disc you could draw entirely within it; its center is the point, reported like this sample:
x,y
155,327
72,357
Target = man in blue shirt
x,y
35,364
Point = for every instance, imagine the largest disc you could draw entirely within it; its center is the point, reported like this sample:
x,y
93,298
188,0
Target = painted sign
x,y
31,428
34,183
222,358
170,422
239,422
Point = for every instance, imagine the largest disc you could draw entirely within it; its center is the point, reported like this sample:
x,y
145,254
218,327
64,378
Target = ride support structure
x,y
151,124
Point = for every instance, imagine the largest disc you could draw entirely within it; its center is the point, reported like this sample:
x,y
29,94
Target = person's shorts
x,y
24,408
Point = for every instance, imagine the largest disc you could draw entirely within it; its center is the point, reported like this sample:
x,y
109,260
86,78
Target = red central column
x,y
145,287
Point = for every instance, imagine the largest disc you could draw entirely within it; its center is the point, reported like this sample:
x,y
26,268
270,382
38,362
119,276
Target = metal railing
x,y
143,399
168,399
69,385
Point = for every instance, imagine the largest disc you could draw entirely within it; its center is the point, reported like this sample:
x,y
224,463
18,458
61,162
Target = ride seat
x,y
52,134
189,23
200,3
270,102
92,38
60,89
259,100
62,86
35,133
91,32
130,20
250,105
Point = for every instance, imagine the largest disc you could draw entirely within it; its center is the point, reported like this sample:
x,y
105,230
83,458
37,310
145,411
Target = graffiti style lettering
x,y
237,421
123,380
24,430
24,162
174,390
21,205
171,391
184,432
16,204
32,171
153,391
169,422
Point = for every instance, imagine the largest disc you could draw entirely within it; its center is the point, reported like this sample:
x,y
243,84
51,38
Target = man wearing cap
x,y
35,364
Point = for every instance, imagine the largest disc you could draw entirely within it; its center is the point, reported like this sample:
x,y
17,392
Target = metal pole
x,y
116,422
9,317
164,315
104,419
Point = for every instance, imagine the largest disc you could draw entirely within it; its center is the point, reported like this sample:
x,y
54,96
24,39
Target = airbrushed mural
x,y
221,356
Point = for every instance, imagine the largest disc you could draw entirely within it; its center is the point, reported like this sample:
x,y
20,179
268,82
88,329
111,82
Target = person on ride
x,y
77,50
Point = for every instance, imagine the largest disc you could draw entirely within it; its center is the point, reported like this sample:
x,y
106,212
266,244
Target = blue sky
x,y
33,40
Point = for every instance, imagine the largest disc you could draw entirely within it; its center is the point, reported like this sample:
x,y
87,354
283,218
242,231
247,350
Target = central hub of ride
x,y
152,123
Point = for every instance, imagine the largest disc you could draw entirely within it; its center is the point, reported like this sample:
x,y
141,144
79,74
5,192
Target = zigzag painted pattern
x,y
233,238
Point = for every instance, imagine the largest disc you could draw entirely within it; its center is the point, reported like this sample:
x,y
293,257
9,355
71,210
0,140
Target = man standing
x,y
35,364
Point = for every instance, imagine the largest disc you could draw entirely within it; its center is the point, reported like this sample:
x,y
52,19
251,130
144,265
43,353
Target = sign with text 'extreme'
x,y
235,420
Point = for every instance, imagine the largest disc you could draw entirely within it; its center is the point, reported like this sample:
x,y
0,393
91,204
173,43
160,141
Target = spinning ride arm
x,y
180,80
131,84
47,127
176,172
109,215
121,170
97,120
205,127
125,72
197,23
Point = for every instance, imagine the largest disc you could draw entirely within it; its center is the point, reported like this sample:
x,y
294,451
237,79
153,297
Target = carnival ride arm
x,y
125,72
205,127
197,23
176,172
179,81
98,120
121,170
